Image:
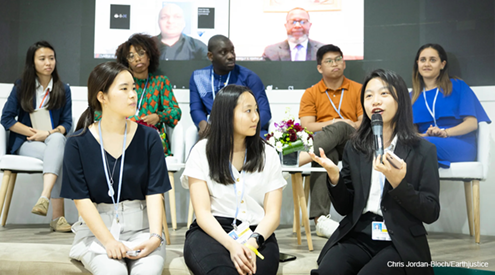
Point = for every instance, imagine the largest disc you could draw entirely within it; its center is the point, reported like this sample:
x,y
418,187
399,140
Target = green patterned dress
x,y
158,99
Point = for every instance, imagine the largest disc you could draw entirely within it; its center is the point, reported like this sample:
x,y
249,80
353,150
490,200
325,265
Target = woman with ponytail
x,y
39,89
116,174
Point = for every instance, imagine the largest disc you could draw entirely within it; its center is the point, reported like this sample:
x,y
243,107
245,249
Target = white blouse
x,y
223,199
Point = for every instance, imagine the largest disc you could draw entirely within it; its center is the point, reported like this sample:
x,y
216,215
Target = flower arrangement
x,y
290,137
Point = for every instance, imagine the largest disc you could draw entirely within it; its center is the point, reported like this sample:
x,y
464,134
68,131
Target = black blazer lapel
x,y
365,167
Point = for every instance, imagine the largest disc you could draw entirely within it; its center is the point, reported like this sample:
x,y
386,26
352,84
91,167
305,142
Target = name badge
x,y
379,232
115,229
242,233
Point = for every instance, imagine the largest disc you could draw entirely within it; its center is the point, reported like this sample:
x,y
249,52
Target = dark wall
x,y
393,32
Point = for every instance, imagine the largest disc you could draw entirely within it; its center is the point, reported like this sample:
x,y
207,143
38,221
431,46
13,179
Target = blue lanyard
x,y
111,192
141,99
432,113
213,81
340,103
238,202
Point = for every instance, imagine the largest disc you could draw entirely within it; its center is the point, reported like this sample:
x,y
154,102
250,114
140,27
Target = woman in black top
x,y
115,172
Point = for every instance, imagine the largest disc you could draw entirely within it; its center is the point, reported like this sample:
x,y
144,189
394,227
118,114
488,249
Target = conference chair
x,y
174,164
471,173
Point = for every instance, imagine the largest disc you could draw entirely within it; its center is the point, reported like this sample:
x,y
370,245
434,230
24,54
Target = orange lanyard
x,y
43,100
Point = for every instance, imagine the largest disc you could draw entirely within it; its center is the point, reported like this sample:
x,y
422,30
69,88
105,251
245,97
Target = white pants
x,y
133,218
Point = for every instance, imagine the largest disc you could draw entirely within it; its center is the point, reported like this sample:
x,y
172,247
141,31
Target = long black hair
x,y
27,84
220,137
402,122
100,79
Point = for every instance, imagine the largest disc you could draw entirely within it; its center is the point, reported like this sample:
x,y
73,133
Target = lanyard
x,y
340,103
238,202
432,113
141,99
213,81
43,100
111,192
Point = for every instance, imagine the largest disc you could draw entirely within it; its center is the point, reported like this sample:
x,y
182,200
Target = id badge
x,y
242,234
379,232
115,229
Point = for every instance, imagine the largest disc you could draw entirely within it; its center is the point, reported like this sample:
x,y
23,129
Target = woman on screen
x,y
235,181
115,172
446,111
156,104
384,206
40,94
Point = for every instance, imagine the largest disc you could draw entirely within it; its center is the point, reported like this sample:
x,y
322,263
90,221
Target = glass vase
x,y
291,159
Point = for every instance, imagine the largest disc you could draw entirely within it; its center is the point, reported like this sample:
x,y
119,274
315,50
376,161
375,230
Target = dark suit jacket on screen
x,y
281,51
414,201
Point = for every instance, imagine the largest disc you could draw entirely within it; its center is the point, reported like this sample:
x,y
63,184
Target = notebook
x,y
41,120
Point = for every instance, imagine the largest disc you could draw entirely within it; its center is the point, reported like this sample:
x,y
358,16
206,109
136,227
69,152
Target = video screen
x,y
181,28
265,30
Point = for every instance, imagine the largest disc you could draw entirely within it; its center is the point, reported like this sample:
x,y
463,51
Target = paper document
x,y
41,120
99,249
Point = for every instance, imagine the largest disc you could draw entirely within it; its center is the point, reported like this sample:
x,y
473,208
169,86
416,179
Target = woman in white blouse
x,y
235,182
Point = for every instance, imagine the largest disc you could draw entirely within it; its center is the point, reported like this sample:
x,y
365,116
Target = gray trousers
x,y
332,140
51,152
133,217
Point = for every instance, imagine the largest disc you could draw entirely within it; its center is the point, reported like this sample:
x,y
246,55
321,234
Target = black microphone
x,y
377,127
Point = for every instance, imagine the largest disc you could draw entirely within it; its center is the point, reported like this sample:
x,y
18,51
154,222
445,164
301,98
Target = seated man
x,y
172,43
205,83
332,108
297,46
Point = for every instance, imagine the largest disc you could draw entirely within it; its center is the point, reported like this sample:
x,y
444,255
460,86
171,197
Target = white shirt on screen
x,y
222,199
302,51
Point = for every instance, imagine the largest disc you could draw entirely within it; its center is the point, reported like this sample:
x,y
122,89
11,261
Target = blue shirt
x,y
450,111
201,97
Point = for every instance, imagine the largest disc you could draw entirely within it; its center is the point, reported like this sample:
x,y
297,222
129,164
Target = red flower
x,y
298,127
290,122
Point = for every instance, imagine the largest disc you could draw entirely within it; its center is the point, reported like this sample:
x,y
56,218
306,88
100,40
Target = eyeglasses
x,y
302,22
337,60
131,56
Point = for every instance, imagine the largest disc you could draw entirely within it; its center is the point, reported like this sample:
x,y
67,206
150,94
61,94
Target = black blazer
x,y
414,201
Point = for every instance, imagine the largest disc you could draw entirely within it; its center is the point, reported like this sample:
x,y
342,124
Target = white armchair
x,y
174,164
190,139
471,173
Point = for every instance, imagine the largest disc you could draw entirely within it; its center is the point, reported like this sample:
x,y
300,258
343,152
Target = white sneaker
x,y
325,226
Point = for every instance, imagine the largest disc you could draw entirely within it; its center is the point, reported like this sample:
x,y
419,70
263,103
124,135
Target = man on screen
x,y
298,46
173,44
205,83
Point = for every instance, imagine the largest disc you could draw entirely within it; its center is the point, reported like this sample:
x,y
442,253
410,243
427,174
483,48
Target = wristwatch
x,y
260,240
158,236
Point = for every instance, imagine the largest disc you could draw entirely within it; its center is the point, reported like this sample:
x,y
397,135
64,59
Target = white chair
x,y
190,139
471,173
11,165
174,164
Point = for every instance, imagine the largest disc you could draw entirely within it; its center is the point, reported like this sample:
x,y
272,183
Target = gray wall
x,y
393,32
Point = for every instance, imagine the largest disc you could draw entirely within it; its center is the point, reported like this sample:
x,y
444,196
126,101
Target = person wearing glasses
x,y
297,46
156,104
332,109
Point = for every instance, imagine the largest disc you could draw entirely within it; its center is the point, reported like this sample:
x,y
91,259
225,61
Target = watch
x,y
260,240
158,236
